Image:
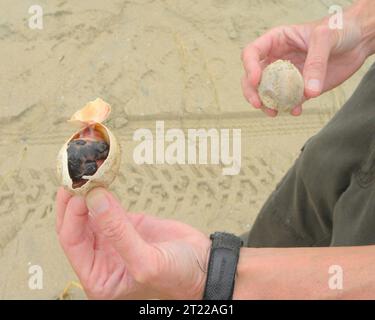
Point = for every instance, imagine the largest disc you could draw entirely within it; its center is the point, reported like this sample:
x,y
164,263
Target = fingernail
x,y
314,85
296,111
97,202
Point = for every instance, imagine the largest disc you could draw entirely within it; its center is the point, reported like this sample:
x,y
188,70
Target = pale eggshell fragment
x,y
281,87
95,111
91,115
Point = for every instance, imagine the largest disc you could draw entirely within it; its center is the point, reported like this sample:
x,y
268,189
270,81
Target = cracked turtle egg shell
x,y
282,86
104,175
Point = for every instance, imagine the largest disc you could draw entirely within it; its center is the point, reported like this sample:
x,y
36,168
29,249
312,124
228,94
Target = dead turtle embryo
x,y
83,156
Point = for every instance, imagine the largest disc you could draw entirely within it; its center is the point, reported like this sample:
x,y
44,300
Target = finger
x,y
315,69
250,93
74,226
254,53
269,112
62,199
117,228
296,111
252,66
257,53
75,238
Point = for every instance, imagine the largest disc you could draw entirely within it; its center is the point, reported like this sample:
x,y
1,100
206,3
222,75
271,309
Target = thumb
x,y
113,224
315,69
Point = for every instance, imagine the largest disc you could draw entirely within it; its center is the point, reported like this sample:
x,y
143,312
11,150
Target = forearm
x,y
366,14
303,273
358,21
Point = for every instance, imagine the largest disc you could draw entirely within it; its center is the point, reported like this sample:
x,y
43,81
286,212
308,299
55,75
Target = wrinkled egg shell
x,y
105,174
281,87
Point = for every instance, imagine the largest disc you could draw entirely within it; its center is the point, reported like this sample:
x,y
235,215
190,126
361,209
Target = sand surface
x,y
178,61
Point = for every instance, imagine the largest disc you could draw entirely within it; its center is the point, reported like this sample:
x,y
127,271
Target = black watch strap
x,y
222,266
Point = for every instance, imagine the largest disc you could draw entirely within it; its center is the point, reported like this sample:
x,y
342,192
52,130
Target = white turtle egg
x,y
281,87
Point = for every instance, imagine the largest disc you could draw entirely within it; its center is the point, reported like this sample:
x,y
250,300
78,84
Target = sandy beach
x,y
176,61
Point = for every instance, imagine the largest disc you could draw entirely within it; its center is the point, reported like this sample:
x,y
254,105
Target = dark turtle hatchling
x,y
85,157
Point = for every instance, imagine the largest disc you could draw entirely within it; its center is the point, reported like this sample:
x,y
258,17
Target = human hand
x,y
325,57
119,255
